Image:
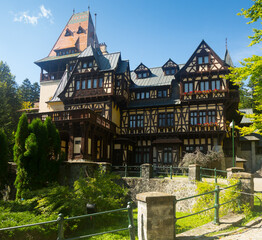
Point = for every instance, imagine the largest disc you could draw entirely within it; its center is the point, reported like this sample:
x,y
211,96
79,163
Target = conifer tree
x,y
3,158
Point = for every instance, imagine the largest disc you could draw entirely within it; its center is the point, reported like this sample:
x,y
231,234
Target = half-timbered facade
x,y
105,112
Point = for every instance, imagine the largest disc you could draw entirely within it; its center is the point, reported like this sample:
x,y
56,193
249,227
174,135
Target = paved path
x,y
250,233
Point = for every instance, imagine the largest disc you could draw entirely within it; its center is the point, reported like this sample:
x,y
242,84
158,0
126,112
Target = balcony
x,y
75,116
51,76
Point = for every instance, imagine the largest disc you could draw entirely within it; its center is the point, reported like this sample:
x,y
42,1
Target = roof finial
x,y
73,11
88,7
226,43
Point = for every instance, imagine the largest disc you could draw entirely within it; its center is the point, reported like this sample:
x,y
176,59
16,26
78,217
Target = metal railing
x,y
61,220
169,171
216,204
215,173
128,171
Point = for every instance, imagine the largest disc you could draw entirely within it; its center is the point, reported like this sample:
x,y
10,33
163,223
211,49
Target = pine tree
x,y
3,158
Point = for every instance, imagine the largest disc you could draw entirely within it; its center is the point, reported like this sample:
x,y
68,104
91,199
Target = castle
x,y
106,112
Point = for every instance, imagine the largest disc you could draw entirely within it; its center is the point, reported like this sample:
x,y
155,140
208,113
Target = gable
x,y
204,59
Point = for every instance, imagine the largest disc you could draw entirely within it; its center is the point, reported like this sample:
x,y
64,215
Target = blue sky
x,y
144,31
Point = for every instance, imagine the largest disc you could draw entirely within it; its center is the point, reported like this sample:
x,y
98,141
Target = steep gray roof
x,y
60,87
122,66
228,59
157,78
105,62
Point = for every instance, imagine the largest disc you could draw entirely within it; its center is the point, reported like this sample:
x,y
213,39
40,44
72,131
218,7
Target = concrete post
x,y
147,171
155,216
231,171
194,172
247,187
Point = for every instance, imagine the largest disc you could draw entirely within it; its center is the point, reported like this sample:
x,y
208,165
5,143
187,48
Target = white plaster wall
x,y
47,90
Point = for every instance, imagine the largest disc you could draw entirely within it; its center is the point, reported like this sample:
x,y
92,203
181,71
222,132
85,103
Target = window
x,y
170,71
68,32
204,85
162,93
71,68
118,83
202,117
203,60
80,30
167,72
132,121
85,65
193,148
215,84
90,64
95,83
84,84
139,75
144,75
136,121
138,95
170,120
77,85
138,155
167,155
101,80
212,116
142,95
140,120
188,87
193,118
165,120
147,95
161,120
89,83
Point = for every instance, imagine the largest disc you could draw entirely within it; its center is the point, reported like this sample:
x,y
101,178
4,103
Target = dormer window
x,y
80,30
87,65
90,64
170,67
68,32
142,71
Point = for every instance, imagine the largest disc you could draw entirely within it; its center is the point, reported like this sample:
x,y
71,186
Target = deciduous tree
x,y
251,69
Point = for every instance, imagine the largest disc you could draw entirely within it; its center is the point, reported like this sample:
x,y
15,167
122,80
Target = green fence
x,y
216,206
61,221
212,173
128,171
169,171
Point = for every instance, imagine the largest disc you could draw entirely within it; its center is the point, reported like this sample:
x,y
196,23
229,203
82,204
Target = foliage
x,y
201,159
9,104
36,152
3,158
29,93
100,190
251,70
208,200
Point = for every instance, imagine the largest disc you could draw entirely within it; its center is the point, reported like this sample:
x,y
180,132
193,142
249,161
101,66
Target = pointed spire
x,y
228,59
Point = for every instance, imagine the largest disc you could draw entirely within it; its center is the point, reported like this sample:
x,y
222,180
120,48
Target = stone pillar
x,y
247,186
194,172
155,216
147,171
231,171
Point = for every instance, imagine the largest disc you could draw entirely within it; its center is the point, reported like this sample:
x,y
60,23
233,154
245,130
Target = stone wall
x,y
180,187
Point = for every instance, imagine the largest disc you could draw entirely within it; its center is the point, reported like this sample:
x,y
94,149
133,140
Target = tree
x,y
3,158
29,93
10,103
251,70
36,152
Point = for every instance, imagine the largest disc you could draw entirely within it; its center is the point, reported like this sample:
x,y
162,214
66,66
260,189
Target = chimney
x,y
103,48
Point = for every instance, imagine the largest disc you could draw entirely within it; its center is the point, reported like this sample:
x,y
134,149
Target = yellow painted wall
x,y
115,115
47,90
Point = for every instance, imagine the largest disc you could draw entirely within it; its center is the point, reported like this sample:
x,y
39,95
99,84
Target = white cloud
x,y
26,18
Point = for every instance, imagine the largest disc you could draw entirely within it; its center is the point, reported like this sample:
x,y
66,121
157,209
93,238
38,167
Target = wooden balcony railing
x,y
75,115
51,76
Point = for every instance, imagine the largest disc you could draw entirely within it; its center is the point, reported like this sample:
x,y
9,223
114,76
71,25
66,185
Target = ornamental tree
x,y
251,70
